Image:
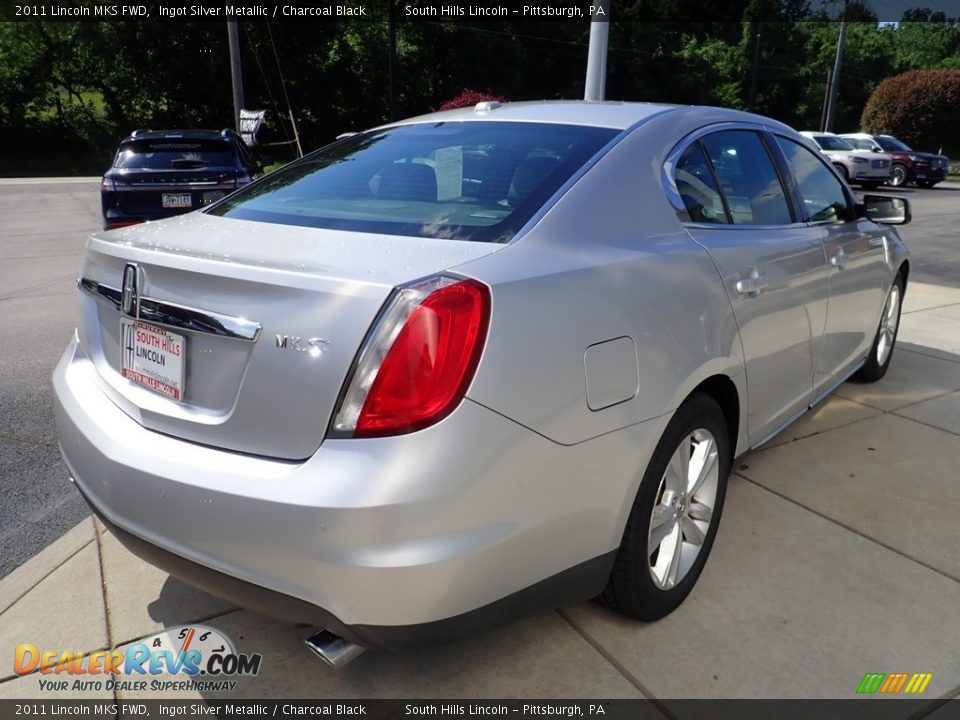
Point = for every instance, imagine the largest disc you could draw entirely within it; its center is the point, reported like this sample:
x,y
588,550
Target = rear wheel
x,y
898,175
675,515
882,349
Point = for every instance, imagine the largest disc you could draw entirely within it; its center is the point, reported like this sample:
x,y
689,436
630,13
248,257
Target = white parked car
x,y
860,167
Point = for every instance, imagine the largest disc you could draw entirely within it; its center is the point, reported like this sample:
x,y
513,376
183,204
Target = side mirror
x,y
886,210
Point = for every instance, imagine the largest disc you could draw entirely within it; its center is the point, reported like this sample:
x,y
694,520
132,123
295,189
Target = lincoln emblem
x,y
128,302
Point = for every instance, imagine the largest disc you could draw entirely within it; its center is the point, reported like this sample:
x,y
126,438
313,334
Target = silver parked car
x,y
454,369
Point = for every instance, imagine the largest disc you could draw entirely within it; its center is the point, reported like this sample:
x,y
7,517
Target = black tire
x,y
899,175
842,169
631,589
874,369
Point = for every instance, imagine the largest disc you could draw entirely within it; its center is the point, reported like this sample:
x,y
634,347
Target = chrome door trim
x,y
181,317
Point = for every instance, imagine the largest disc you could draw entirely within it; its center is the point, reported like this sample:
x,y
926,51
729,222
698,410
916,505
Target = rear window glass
x,y
832,142
175,154
476,181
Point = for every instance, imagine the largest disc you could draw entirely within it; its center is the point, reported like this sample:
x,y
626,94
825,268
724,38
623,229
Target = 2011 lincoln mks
x,y
472,364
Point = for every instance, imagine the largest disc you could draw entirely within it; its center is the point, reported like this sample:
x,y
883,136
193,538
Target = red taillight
x,y
114,224
419,360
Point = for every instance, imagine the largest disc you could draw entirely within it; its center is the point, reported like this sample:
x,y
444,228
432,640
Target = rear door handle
x,y
753,284
839,261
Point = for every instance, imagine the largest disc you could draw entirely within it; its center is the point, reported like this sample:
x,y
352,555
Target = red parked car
x,y
924,169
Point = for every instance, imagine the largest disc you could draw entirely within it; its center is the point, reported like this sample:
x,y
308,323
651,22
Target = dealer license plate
x,y
177,200
153,357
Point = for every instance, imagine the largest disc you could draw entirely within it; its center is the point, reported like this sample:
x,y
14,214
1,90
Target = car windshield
x,y
174,154
891,144
475,180
832,142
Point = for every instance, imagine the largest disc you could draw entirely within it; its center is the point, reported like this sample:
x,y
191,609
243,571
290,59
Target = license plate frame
x,y
153,357
176,201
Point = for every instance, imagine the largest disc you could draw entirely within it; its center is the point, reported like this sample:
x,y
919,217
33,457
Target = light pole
x,y
597,53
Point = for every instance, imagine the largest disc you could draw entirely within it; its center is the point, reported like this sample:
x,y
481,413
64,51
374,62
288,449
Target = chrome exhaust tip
x,y
333,649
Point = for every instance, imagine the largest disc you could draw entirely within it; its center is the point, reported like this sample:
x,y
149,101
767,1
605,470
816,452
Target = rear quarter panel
x,y
608,260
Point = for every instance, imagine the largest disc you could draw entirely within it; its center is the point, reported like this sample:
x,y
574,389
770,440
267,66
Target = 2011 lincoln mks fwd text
x,y
468,365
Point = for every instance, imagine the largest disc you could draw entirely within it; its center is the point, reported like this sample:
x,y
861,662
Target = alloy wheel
x,y
888,325
683,510
898,176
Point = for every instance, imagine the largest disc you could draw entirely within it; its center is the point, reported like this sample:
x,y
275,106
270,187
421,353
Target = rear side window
x,y
175,154
823,197
476,180
698,188
747,177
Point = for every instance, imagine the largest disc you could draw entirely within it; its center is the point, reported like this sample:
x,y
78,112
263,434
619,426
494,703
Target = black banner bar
x,y
554,709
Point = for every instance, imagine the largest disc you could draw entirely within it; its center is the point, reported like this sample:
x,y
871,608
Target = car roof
x,y
179,135
610,114
817,133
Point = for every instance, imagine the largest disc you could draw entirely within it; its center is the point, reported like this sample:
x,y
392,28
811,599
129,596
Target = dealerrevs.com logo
x,y
198,658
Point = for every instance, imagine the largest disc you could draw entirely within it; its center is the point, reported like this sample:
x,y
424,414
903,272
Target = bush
x,y
469,98
920,107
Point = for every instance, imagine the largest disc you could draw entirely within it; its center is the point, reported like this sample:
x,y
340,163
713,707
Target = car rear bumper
x,y
389,542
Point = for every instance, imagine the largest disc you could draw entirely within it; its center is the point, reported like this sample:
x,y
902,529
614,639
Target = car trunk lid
x,y
271,318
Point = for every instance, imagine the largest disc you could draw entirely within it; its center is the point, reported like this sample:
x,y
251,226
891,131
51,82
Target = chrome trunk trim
x,y
180,317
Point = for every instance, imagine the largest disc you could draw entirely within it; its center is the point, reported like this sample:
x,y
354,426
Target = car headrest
x,y
408,181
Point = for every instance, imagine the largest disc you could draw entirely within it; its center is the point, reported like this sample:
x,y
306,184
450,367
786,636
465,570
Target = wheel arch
x,y
727,395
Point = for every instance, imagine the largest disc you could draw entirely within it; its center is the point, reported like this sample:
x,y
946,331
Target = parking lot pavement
x,y
835,557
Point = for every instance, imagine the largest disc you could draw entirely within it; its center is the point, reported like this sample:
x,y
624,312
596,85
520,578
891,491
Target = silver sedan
x,y
457,368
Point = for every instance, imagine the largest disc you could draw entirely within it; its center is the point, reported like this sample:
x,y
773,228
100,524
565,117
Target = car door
x,y
772,266
856,275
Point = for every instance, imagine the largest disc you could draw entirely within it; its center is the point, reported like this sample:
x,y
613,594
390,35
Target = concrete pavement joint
x,y
921,422
616,665
30,589
935,307
103,587
854,530
106,605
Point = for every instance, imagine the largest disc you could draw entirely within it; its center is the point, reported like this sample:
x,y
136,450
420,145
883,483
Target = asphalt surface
x,y
44,227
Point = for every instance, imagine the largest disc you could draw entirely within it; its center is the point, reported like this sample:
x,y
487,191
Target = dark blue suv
x,y
160,173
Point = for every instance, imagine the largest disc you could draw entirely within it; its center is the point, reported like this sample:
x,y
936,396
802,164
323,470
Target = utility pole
x,y
837,65
826,101
597,53
236,76
756,67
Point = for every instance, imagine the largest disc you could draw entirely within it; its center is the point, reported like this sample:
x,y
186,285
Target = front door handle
x,y
839,261
753,284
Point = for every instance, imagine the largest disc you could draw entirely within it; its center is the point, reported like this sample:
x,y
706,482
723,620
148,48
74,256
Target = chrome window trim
x,y
673,193
179,317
